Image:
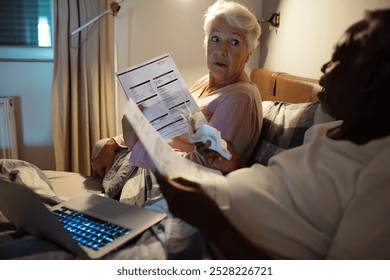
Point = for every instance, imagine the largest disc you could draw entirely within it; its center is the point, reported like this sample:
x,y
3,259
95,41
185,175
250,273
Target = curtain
x,y
83,83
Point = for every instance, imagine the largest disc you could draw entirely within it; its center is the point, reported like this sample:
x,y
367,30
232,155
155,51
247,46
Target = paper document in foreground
x,y
158,86
171,164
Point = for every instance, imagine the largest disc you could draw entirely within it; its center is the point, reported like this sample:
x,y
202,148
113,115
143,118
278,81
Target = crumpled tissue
x,y
200,131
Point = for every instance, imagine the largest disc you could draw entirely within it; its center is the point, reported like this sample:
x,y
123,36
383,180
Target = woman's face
x,y
227,52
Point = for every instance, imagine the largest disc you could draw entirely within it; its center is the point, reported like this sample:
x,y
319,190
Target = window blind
x,y
25,23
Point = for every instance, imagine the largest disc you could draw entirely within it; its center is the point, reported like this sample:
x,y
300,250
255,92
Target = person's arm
x,y
238,121
190,202
105,158
214,160
236,117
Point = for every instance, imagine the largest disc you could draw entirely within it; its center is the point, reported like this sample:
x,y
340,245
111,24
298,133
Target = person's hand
x,y
190,202
105,158
216,161
129,134
187,200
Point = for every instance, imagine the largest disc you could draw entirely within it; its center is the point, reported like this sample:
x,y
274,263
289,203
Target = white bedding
x,y
169,239
70,184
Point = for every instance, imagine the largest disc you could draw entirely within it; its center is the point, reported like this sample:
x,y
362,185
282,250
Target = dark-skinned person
x,y
327,199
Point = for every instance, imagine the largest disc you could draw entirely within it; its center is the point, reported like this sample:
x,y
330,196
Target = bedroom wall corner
x,y
308,31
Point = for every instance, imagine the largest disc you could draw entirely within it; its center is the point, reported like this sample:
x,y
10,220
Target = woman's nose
x,y
222,48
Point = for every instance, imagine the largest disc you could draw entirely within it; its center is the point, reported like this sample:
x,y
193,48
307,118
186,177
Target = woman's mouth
x,y
220,64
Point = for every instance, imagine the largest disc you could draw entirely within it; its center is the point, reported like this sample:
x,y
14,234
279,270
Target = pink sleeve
x,y
139,157
242,127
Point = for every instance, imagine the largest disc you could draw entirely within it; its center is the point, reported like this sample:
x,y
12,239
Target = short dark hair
x,y
375,39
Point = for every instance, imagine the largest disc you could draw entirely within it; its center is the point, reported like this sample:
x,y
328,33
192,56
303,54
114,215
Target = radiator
x,y
8,141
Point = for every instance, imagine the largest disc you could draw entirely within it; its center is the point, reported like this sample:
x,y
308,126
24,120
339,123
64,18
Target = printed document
x,y
158,87
170,163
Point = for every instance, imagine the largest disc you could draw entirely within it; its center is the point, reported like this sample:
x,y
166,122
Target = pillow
x,y
27,174
284,127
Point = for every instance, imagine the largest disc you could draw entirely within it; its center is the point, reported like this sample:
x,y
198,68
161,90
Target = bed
x,y
290,107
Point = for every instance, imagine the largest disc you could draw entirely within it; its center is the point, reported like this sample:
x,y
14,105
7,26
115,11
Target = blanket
x,y
27,174
170,239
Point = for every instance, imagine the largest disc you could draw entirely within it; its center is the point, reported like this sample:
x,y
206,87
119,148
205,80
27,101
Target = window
x,y
26,29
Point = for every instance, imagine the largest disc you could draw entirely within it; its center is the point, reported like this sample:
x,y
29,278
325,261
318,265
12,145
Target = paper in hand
x,y
171,164
200,131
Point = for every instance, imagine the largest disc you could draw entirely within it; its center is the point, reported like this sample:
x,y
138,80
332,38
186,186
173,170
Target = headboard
x,y
289,109
279,86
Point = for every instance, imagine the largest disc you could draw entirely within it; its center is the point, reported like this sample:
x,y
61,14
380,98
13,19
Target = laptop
x,y
108,223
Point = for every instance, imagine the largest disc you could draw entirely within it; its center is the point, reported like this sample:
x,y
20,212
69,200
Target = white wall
x,y
149,28
308,31
30,83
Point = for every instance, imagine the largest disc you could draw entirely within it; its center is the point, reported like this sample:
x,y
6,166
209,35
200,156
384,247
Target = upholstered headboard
x,y
289,109
279,86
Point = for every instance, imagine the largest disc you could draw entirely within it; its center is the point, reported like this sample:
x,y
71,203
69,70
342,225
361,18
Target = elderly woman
x,y
230,102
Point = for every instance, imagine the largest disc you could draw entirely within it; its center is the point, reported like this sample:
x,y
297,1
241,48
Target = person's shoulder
x,y
241,91
200,83
244,86
320,130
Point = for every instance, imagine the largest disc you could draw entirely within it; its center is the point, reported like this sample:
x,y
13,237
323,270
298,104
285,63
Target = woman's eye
x,y
234,42
214,39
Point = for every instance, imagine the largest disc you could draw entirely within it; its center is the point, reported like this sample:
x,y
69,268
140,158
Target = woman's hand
x,y
216,161
105,158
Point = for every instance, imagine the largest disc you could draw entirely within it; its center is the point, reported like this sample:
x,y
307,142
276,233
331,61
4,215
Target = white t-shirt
x,y
324,199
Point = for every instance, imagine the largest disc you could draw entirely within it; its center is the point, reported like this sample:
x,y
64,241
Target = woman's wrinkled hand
x,y
216,161
105,158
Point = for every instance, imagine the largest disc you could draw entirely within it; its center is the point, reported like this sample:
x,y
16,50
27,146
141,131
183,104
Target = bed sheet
x,y
170,239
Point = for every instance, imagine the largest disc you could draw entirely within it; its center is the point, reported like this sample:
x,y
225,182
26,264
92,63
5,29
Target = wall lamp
x,y
273,21
114,9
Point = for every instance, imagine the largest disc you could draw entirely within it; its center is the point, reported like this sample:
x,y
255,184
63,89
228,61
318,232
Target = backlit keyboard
x,y
89,231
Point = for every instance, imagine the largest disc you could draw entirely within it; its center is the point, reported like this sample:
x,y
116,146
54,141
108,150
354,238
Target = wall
x,y
30,82
308,31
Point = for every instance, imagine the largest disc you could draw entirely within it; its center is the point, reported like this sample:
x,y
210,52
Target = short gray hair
x,y
237,16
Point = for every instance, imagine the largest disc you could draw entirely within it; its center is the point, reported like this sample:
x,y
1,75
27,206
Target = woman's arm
x,y
238,119
214,160
105,158
190,202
